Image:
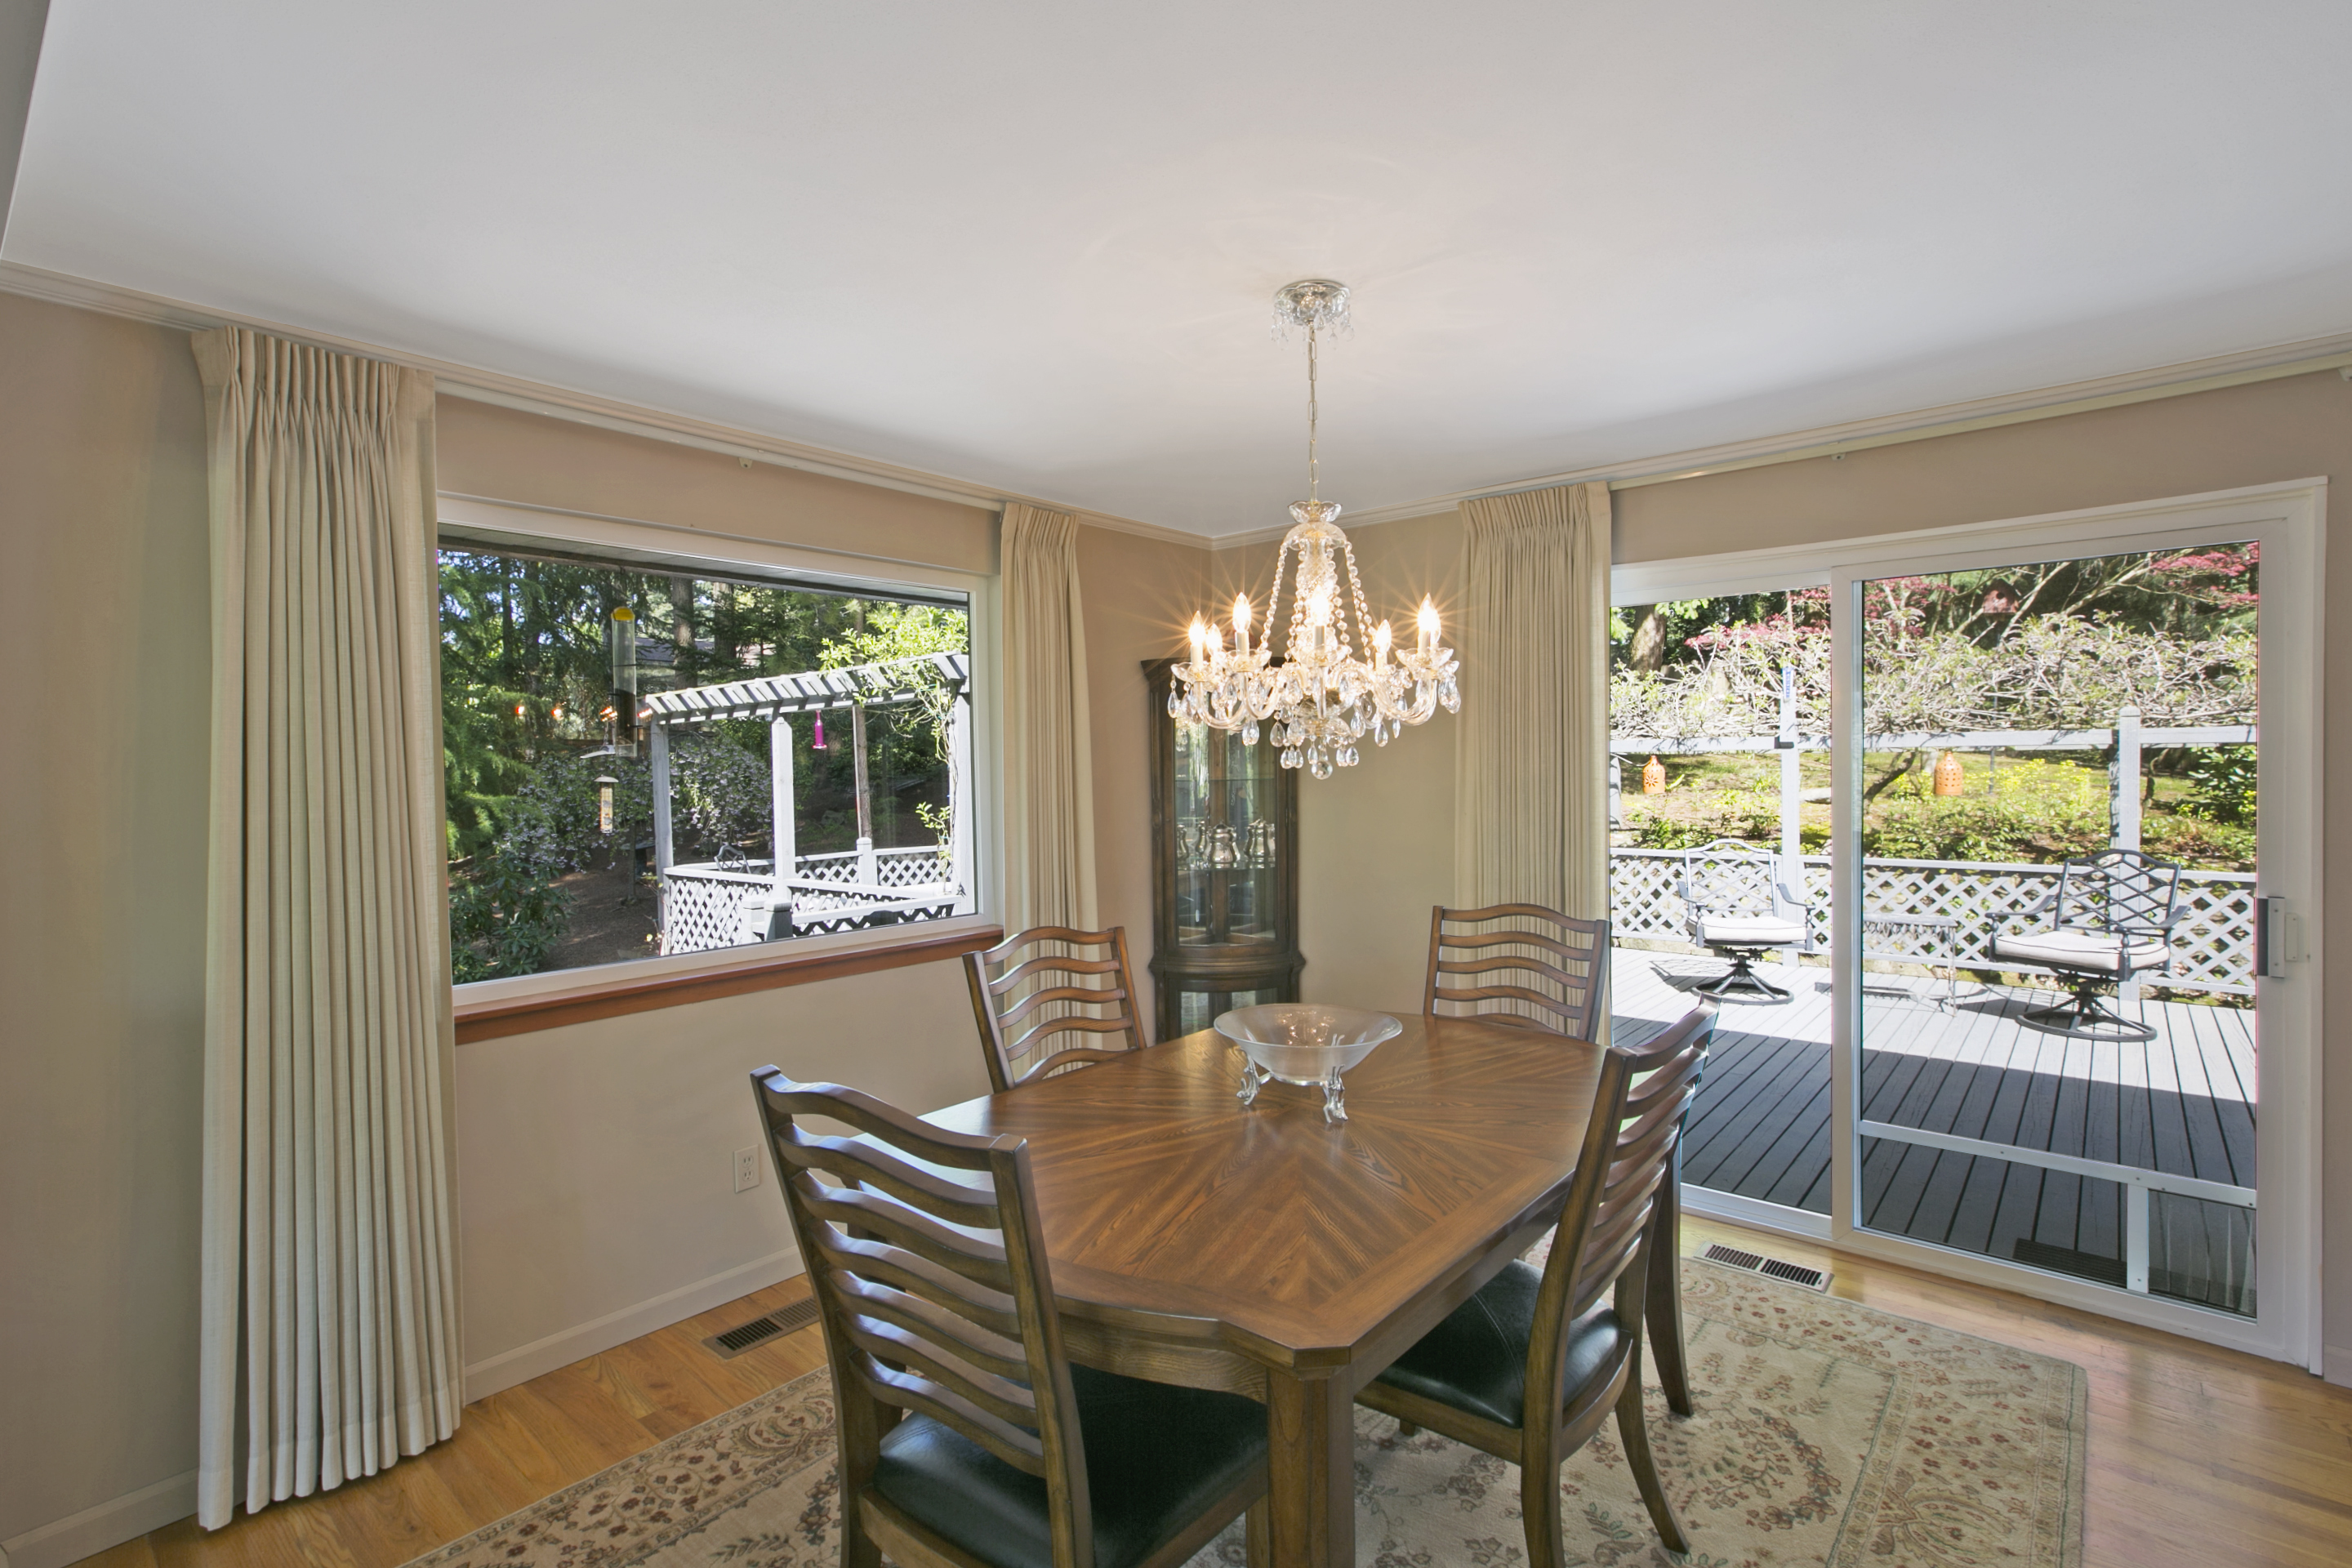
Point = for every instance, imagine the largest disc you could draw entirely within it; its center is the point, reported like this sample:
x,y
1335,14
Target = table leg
x,y
1311,1470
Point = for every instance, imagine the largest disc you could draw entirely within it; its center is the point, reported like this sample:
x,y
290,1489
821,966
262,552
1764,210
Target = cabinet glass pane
x,y
1197,1010
1226,847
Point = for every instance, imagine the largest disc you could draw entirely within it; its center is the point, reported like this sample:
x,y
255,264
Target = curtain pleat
x,y
1532,815
1049,814
329,1323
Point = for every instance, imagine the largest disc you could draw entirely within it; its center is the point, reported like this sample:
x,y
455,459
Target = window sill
x,y
492,1009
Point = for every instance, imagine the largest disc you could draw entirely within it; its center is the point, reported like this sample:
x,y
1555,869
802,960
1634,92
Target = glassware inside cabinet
x,y
1227,846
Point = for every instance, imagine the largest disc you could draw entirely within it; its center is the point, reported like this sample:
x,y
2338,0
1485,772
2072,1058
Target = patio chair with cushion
x,y
1737,905
2111,918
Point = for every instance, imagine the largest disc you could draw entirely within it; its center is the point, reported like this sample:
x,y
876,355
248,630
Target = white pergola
x,y
777,699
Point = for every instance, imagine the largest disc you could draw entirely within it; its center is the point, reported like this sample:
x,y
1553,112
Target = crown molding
x,y
479,384
2301,357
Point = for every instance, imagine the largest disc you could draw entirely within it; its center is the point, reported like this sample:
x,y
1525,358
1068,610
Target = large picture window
x,y
642,760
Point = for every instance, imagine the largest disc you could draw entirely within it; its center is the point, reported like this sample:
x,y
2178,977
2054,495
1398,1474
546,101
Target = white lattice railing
x,y
703,905
908,865
2213,948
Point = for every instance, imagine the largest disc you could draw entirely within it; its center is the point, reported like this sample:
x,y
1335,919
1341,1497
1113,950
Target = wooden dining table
x,y
1263,1250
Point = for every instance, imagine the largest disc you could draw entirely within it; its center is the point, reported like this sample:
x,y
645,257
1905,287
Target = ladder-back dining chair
x,y
1517,964
1035,990
1528,1368
1574,993
965,1435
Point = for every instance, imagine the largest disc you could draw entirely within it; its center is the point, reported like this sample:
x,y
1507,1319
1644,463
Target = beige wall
x,y
1138,595
533,459
104,635
596,1186
1371,836
595,1177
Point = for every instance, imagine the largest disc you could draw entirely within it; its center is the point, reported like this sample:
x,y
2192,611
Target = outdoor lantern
x,y
817,744
1948,775
604,782
1653,777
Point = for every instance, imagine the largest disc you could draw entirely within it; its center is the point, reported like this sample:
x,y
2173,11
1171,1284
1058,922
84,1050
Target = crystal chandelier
x,y
1322,697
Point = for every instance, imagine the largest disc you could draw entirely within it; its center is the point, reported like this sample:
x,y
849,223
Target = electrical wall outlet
x,y
747,1168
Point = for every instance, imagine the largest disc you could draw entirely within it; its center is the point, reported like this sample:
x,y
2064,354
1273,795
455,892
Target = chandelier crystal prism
x,y
1323,696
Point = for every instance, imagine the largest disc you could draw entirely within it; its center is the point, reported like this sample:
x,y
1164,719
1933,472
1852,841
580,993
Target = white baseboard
x,y
562,1349
93,1530
2336,1364
1775,1217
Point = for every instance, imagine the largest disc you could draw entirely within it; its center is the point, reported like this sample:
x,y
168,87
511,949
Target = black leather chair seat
x,y
1157,1455
1476,1360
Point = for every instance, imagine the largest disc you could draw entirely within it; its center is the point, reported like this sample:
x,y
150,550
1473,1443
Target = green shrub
x,y
2039,811
2221,784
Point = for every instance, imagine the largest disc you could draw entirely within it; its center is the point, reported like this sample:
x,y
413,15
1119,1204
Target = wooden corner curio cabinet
x,y
1225,868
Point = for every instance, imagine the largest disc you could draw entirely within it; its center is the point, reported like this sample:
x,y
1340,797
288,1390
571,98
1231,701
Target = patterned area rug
x,y
1826,1433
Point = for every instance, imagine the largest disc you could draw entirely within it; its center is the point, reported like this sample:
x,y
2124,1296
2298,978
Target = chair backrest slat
x,y
1557,967
1628,1152
992,1310
1045,985
924,1252
2121,892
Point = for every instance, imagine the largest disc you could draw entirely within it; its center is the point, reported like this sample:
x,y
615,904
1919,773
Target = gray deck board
x,y
2182,1103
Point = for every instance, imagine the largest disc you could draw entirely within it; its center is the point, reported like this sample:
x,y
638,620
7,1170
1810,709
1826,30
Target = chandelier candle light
x,y
1322,697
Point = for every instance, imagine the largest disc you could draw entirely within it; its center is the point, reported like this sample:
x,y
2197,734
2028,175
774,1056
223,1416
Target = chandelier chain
x,y
1313,414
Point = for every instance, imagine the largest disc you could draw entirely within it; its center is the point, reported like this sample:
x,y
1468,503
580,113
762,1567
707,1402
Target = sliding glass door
x,y
1997,846
2071,851
1720,871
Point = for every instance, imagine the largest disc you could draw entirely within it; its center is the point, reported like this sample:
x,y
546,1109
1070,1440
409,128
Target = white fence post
x,y
2123,805
2136,1237
2123,781
960,807
782,810
658,748
1792,850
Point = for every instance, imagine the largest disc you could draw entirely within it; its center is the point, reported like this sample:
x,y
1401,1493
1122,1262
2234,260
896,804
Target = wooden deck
x,y
2182,1103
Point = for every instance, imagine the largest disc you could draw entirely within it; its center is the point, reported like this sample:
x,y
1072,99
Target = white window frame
x,y
498,525
2290,519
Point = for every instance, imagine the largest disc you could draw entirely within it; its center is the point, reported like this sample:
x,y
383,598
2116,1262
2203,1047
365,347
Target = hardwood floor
x,y
2197,1456
511,1449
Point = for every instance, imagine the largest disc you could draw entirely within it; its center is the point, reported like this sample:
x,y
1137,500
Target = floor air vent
x,y
1772,1267
759,1331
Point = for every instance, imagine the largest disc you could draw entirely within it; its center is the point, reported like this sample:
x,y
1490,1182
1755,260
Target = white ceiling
x,y
1031,245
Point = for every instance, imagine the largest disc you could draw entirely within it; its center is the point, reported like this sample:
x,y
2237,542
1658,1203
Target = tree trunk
x,y
1648,652
1908,761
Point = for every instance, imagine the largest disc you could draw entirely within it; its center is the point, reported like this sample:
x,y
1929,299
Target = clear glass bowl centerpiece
x,y
1304,1043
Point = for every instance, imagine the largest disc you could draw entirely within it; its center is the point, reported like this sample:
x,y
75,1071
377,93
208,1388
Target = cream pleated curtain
x,y
1049,812
1531,810
330,1313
